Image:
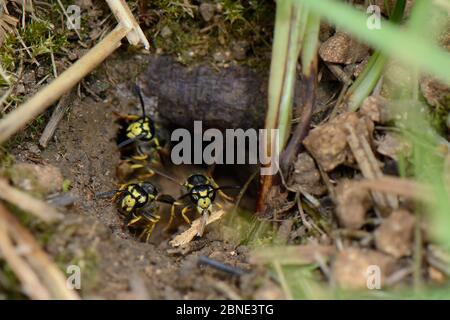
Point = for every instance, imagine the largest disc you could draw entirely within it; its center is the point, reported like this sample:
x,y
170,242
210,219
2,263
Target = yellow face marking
x,y
204,203
203,193
134,130
135,193
128,203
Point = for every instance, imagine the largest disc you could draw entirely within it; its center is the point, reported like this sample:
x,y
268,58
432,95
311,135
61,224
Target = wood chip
x,y
188,235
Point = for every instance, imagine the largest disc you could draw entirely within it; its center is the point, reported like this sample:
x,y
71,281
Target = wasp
x,y
139,202
202,191
141,140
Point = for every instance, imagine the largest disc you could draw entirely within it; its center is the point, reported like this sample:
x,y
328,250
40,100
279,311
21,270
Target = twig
x,y
4,75
188,235
55,71
368,165
123,14
18,118
282,280
399,186
27,203
57,115
31,284
51,276
202,260
26,49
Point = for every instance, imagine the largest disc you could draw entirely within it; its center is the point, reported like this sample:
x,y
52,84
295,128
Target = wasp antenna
x,y
141,99
126,142
165,175
227,187
184,196
129,141
107,194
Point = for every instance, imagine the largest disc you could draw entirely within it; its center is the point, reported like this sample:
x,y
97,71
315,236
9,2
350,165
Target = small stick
x,y
31,284
4,75
26,48
367,163
18,118
188,235
123,14
399,186
57,115
202,260
43,266
28,203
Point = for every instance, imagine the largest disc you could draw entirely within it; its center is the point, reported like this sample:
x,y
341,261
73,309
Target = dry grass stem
x,y
53,278
26,112
28,203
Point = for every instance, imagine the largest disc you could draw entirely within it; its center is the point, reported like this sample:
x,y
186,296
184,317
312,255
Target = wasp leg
x,y
134,220
157,144
119,193
150,173
219,205
220,192
126,117
172,215
140,157
151,223
183,214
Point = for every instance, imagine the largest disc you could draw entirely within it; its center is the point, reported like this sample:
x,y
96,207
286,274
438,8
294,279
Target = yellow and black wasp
x,y
139,202
202,191
141,140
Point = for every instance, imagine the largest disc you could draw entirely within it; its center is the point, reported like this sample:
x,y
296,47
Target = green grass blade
x,y
390,39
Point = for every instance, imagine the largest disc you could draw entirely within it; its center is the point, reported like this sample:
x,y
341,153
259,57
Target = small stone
x,y
436,93
436,275
360,67
306,176
393,146
33,148
328,143
353,203
355,269
341,48
239,50
207,11
39,179
395,234
375,108
20,88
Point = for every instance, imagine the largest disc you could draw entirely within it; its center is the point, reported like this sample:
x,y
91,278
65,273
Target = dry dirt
x,y
114,263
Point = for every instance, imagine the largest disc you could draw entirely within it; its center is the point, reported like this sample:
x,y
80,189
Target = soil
x,y
93,233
